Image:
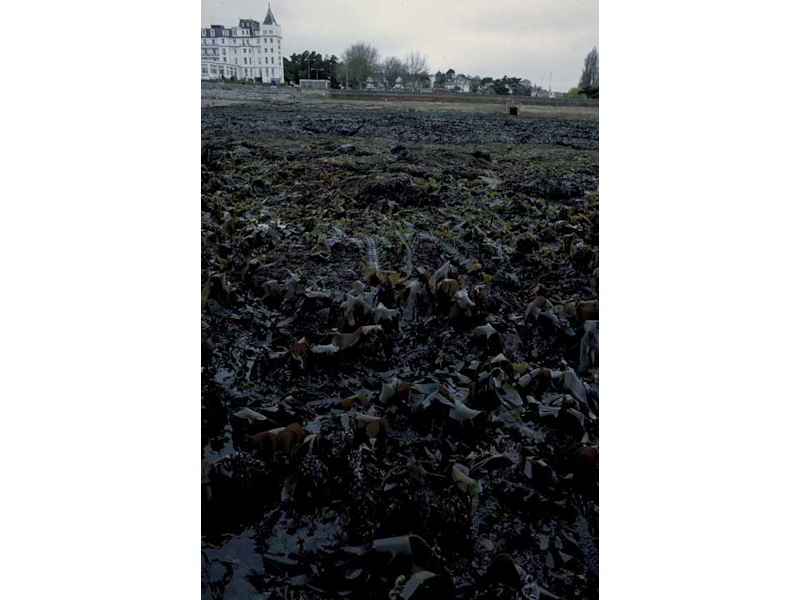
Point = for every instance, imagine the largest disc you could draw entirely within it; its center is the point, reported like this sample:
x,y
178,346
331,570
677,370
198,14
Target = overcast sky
x,y
523,38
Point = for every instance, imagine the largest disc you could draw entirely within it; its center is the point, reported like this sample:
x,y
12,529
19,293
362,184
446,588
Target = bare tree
x,y
393,68
359,61
590,78
417,67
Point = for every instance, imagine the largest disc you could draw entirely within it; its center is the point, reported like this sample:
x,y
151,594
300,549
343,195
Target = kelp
x,y
400,333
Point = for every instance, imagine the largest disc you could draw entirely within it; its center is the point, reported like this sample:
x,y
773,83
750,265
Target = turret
x,y
270,25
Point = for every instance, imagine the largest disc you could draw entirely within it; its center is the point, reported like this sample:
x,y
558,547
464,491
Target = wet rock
x,y
399,188
355,400
539,472
418,301
590,346
291,287
526,244
351,150
281,440
401,152
487,339
424,585
245,422
462,308
504,571
386,317
588,311
504,390
446,290
272,293
371,426
586,461
445,272
207,349
469,486
356,310
541,310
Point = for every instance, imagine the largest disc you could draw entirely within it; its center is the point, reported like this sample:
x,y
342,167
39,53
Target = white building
x,y
459,83
250,51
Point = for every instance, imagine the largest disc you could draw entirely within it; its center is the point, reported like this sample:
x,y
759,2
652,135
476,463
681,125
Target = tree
x,y
359,61
450,74
590,78
576,92
393,68
475,85
332,66
500,86
310,63
417,67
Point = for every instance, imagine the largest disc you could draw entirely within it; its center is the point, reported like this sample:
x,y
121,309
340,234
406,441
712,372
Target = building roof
x,y
270,18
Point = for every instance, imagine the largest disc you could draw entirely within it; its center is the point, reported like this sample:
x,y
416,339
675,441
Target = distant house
x,y
459,83
398,85
370,83
539,92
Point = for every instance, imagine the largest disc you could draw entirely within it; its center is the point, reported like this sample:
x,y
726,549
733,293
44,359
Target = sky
x,y
491,38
